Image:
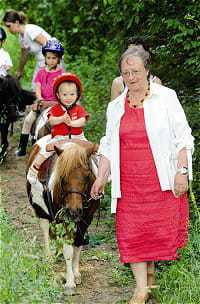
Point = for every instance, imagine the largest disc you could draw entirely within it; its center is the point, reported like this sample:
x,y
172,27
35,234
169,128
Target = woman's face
x,y
134,73
12,27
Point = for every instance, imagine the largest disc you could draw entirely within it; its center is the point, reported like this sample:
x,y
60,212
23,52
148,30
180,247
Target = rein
x,y
86,201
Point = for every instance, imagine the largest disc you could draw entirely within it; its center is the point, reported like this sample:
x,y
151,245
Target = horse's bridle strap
x,y
85,201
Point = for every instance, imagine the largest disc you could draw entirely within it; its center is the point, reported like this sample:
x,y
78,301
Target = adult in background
x,y
147,148
118,85
31,39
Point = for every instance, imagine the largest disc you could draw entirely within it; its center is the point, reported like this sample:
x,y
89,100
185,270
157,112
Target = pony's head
x,y
74,179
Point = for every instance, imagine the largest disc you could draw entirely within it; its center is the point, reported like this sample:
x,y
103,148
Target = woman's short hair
x,y
136,52
13,16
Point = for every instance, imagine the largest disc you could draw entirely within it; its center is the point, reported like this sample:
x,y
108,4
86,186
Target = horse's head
x,y
74,179
9,94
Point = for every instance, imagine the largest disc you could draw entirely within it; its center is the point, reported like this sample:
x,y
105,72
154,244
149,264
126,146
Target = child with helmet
x,y
5,60
53,52
66,118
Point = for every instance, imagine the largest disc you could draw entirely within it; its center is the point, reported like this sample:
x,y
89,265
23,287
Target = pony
x,y
63,195
12,100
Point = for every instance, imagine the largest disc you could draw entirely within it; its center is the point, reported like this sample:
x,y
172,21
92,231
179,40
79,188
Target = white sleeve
x,y
8,60
182,132
104,147
33,31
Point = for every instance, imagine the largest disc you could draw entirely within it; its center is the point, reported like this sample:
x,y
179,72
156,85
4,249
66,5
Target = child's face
x,y
67,93
51,59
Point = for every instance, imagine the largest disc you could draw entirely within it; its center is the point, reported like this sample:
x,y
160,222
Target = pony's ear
x,y
58,150
93,147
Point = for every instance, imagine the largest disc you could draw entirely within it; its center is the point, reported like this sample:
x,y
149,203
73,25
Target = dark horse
x,y
67,179
12,100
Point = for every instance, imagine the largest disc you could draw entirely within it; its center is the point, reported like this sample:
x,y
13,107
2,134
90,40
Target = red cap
x,y
66,77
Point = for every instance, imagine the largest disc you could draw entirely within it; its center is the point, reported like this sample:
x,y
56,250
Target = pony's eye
x,y
87,178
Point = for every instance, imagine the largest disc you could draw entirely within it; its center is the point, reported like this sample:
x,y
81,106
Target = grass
x,y
26,276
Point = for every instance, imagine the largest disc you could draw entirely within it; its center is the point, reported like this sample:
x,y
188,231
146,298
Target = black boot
x,y
21,151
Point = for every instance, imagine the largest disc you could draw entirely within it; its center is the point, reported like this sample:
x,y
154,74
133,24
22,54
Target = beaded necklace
x,y
137,105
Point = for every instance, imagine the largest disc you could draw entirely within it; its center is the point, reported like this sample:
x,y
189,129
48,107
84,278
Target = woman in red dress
x,y
147,149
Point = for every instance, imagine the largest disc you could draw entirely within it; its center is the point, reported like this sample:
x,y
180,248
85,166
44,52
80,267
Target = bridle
x,y
86,199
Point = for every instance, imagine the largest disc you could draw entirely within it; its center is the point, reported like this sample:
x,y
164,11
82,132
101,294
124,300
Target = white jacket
x,y
168,132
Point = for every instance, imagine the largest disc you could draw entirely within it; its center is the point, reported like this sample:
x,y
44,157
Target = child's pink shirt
x,y
46,80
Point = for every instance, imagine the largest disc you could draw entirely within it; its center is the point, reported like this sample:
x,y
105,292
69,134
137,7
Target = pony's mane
x,y
73,156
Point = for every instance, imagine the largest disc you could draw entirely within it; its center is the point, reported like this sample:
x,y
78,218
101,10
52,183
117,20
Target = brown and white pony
x,y
70,180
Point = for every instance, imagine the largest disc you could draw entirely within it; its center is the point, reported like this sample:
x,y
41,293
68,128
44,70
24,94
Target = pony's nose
x,y
74,214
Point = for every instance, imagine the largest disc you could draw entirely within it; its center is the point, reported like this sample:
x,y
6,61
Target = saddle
x,y
59,143
45,168
43,173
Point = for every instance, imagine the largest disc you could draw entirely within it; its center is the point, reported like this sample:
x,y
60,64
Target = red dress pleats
x,y
151,224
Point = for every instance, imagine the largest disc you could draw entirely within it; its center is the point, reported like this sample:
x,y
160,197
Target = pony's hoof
x,y
78,279
70,290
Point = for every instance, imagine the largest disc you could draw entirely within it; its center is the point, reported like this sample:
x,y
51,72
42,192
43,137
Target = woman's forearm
x,y
104,168
24,54
182,158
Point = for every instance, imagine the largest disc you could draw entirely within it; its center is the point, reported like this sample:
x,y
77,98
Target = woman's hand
x,y
97,188
18,75
180,184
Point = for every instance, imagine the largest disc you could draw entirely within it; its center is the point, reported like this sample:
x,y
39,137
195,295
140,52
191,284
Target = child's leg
x,y
32,175
28,121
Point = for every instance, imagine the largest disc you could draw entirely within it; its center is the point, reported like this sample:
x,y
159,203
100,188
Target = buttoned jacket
x,y
167,130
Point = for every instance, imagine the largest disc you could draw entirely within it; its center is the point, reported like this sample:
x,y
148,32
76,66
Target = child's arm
x,y
76,123
57,120
38,90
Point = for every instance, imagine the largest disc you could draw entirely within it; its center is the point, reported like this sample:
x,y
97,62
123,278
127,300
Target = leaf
x,y
60,251
71,226
137,19
130,23
76,19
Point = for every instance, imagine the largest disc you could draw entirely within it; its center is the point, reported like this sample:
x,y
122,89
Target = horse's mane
x,y
72,157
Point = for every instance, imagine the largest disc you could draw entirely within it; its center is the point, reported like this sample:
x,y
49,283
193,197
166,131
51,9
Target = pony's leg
x,y
75,264
44,225
68,255
4,141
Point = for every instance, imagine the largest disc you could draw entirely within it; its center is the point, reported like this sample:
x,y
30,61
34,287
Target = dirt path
x,y
96,273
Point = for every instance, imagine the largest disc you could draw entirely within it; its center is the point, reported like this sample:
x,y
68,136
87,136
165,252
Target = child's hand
x,y
34,107
67,119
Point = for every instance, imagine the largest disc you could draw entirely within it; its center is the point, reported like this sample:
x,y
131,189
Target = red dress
x,y
151,224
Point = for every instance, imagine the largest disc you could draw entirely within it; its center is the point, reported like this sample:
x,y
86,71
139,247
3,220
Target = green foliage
x,y
182,275
24,278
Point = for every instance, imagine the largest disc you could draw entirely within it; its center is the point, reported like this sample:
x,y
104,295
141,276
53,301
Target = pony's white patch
x,y
37,196
42,121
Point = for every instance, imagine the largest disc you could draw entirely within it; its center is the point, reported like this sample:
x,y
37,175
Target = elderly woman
x,y
31,39
147,148
118,84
